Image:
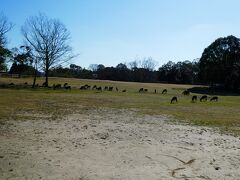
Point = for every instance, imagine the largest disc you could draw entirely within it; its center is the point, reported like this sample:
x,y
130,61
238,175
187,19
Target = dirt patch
x,y
115,144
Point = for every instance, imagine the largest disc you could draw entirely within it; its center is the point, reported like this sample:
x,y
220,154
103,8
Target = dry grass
x,y
28,103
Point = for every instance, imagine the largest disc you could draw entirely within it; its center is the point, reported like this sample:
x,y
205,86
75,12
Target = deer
x,y
57,86
99,88
94,87
194,98
164,91
68,87
214,98
186,93
82,88
203,98
174,99
140,90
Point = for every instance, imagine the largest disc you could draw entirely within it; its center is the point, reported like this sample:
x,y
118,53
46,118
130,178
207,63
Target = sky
x,y
110,32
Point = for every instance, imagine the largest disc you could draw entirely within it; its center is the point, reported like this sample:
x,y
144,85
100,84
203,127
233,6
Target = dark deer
x,y
155,91
215,98
105,88
94,87
124,90
44,84
68,87
203,98
194,98
82,88
186,93
164,91
99,88
57,86
174,99
85,87
140,90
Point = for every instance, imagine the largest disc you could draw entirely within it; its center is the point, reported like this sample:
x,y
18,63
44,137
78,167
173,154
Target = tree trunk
x,y
34,81
46,67
35,77
46,78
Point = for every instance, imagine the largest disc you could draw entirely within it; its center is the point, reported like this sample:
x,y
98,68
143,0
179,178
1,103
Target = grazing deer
x,y
99,88
124,90
68,87
186,93
194,98
174,99
57,86
85,87
88,87
105,88
82,88
164,91
203,98
140,90
214,98
44,84
94,87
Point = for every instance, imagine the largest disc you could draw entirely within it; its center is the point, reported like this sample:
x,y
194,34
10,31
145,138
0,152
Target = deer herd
x,y
203,98
173,100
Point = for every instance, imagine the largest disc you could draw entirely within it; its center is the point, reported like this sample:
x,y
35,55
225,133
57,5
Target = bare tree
x,y
93,67
148,63
133,64
49,41
5,26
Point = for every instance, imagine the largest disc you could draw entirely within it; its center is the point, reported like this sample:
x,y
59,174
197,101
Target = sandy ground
x,y
115,144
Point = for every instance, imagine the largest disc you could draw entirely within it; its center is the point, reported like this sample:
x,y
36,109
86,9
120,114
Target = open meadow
x,y
24,102
91,134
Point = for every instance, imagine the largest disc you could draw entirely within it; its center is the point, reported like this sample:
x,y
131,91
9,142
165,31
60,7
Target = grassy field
x,y
26,103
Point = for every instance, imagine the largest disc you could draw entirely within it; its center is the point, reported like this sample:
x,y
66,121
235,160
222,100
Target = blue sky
x,y
112,31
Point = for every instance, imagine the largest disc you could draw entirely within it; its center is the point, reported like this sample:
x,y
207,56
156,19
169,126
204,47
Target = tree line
x,y
46,51
134,71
